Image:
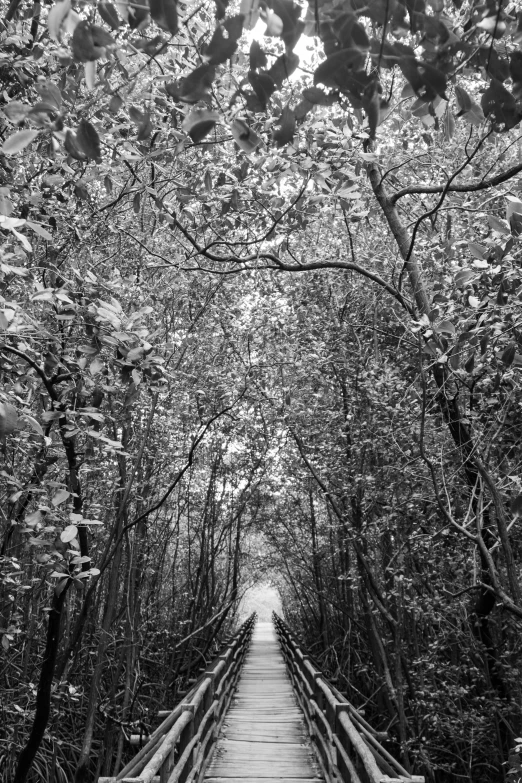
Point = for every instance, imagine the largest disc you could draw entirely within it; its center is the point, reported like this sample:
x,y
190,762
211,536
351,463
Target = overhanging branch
x,y
468,187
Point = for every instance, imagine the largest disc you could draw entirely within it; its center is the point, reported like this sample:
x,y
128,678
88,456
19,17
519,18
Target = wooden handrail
x,y
347,747
178,751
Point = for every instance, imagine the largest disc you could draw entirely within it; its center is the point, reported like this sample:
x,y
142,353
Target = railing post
x,y
209,695
318,692
186,735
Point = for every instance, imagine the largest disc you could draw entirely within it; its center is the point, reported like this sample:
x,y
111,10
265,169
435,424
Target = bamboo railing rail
x,y
178,751
347,747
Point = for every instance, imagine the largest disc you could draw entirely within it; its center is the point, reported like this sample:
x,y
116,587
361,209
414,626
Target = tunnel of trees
x,y
260,322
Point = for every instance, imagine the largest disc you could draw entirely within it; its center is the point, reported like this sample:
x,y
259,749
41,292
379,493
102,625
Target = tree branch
x,y
469,187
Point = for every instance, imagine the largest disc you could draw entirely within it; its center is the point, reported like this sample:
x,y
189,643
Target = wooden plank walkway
x,y
263,737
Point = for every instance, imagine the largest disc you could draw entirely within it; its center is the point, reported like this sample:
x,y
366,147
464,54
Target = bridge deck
x,y
263,737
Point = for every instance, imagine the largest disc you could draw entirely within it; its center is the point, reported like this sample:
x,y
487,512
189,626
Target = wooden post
x,y
186,735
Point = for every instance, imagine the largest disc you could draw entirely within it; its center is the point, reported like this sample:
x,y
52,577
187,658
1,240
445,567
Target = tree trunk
x,y
43,695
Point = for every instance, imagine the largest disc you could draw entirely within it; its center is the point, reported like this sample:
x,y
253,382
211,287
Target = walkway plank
x,y
263,739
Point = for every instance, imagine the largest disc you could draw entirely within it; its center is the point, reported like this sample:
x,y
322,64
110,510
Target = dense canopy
x,y
260,322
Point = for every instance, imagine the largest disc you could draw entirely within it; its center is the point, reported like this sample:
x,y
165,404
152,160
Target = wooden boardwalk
x,y
263,736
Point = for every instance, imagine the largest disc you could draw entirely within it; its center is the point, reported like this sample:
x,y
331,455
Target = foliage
x,y
260,315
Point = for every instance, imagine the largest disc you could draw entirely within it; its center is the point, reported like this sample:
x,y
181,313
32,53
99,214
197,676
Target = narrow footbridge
x,y
262,713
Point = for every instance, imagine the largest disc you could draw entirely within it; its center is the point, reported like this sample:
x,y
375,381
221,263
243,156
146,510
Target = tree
x,y
386,159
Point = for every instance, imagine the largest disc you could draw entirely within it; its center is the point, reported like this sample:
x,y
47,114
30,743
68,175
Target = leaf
x,y
33,424
18,141
475,116
245,138
16,111
56,17
285,133
194,87
90,74
484,342
23,240
42,107
283,68
514,206
49,93
114,443
80,560
492,25
274,24
454,359
199,122
136,115
40,230
34,518
258,58
289,12
138,13
434,80
467,108
70,532
509,354
449,125
80,190
135,353
503,293
263,85
44,295
337,70
71,21
249,9
165,14
498,103
515,67
109,14
8,419
115,104
463,277
470,363
60,587
8,223
444,327
145,129
60,497
477,250
89,42
48,416
72,147
220,49
88,140
96,366
316,96
516,509
502,226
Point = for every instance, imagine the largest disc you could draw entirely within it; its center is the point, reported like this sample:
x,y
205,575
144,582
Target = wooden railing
x,y
347,747
179,749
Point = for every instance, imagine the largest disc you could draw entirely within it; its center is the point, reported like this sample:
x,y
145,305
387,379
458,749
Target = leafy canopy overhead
x,y
72,79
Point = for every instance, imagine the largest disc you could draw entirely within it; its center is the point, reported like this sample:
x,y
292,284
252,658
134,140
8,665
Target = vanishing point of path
x,y
263,737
